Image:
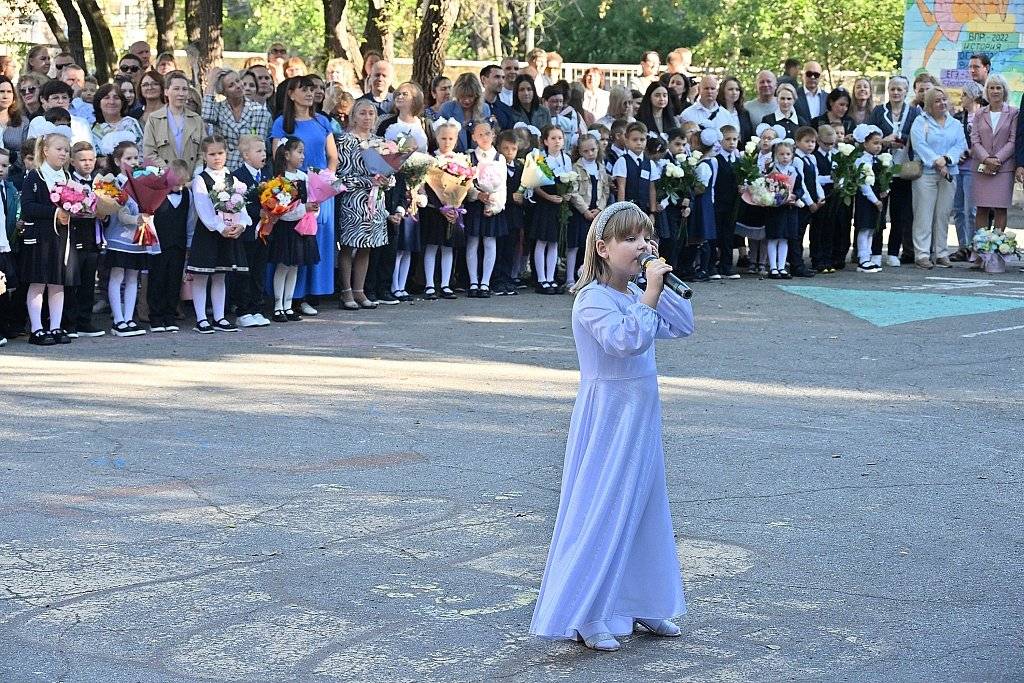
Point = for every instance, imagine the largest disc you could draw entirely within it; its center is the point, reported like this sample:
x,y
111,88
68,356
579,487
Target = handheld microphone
x,y
671,281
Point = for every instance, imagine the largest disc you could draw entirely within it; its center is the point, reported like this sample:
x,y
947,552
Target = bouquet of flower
x,y
847,175
109,196
536,172
490,178
746,168
769,190
385,157
415,169
149,187
678,179
889,171
992,247
277,197
75,198
565,183
451,180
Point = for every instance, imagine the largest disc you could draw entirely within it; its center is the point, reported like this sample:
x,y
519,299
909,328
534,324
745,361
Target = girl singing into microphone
x,y
613,564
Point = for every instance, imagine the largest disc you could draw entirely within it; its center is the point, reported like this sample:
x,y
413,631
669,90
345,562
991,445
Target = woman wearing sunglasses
x,y
28,90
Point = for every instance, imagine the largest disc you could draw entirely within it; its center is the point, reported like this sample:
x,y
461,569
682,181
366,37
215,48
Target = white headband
x,y
533,129
602,218
863,131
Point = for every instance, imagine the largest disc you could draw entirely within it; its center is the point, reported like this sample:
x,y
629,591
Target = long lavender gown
x,y
613,555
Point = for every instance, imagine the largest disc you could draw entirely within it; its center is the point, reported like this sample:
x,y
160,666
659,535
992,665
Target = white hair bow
x,y
442,122
111,140
782,141
596,134
46,128
863,131
711,136
532,129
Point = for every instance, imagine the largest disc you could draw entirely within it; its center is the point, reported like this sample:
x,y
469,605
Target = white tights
x,y
570,265
284,286
778,250
545,258
123,310
430,259
55,300
403,260
490,255
864,238
217,294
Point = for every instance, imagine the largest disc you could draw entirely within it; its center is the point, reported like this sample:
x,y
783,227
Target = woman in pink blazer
x,y
992,146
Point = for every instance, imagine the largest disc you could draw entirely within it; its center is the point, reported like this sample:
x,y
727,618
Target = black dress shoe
x,y
430,294
279,317
292,315
447,293
41,338
60,336
804,273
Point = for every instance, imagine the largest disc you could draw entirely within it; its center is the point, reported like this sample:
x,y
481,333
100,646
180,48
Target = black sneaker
x,y
225,325
204,327
41,338
60,336
134,328
90,331
388,299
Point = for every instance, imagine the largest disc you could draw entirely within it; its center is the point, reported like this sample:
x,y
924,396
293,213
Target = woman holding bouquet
x,y
362,212
300,120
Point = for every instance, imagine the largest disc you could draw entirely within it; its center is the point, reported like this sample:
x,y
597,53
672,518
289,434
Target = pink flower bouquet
x,y
75,198
385,157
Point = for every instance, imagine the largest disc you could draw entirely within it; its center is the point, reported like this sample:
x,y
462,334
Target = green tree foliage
x,y
746,36
618,31
252,25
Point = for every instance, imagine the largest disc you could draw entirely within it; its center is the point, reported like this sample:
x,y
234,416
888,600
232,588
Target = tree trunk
x,y
163,11
338,40
192,21
103,51
531,14
51,20
496,30
204,23
76,39
428,50
378,35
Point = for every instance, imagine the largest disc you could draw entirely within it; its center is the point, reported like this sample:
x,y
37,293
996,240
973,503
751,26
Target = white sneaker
x,y
3,341
248,320
868,267
306,309
892,261
876,261
260,320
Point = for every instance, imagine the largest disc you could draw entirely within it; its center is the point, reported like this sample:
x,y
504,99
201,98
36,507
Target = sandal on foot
x,y
601,642
362,301
345,304
447,293
430,294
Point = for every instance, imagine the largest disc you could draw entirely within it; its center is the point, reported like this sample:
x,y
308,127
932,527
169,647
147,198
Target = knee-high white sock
x,y
447,261
472,259
290,279
540,262
864,238
406,264
396,274
552,260
429,264
218,293
131,293
114,294
773,259
34,301
570,264
280,273
199,281
55,299
490,256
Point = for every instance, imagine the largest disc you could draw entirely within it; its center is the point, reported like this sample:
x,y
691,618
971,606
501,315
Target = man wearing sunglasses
x,y
810,99
64,59
130,66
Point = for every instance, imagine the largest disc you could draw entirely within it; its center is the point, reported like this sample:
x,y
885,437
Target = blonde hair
x,y
468,85
618,98
247,141
617,222
417,97
787,87
44,142
930,96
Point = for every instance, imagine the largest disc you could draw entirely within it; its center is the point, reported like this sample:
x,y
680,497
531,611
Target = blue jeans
x,y
964,209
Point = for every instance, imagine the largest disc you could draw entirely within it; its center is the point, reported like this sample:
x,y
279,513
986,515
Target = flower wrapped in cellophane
x,y
451,181
277,197
772,189
110,196
149,187
74,197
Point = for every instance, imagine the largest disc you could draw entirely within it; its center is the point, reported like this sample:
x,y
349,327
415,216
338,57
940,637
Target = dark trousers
x,y
842,215
246,290
823,235
796,247
725,232
505,260
381,269
164,290
667,249
901,219
78,301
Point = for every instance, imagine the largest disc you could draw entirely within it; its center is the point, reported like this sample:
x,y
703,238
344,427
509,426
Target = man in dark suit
x,y
810,99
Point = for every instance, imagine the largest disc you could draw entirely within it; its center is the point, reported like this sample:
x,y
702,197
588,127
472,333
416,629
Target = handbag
x,y
911,170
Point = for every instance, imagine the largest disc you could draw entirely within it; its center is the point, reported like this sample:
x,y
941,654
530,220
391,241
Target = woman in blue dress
x,y
613,563
300,120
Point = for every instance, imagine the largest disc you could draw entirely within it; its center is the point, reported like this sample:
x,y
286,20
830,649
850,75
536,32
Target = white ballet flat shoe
x,y
601,642
660,627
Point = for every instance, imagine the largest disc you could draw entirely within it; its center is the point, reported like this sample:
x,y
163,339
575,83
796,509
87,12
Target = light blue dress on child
x,y
613,554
